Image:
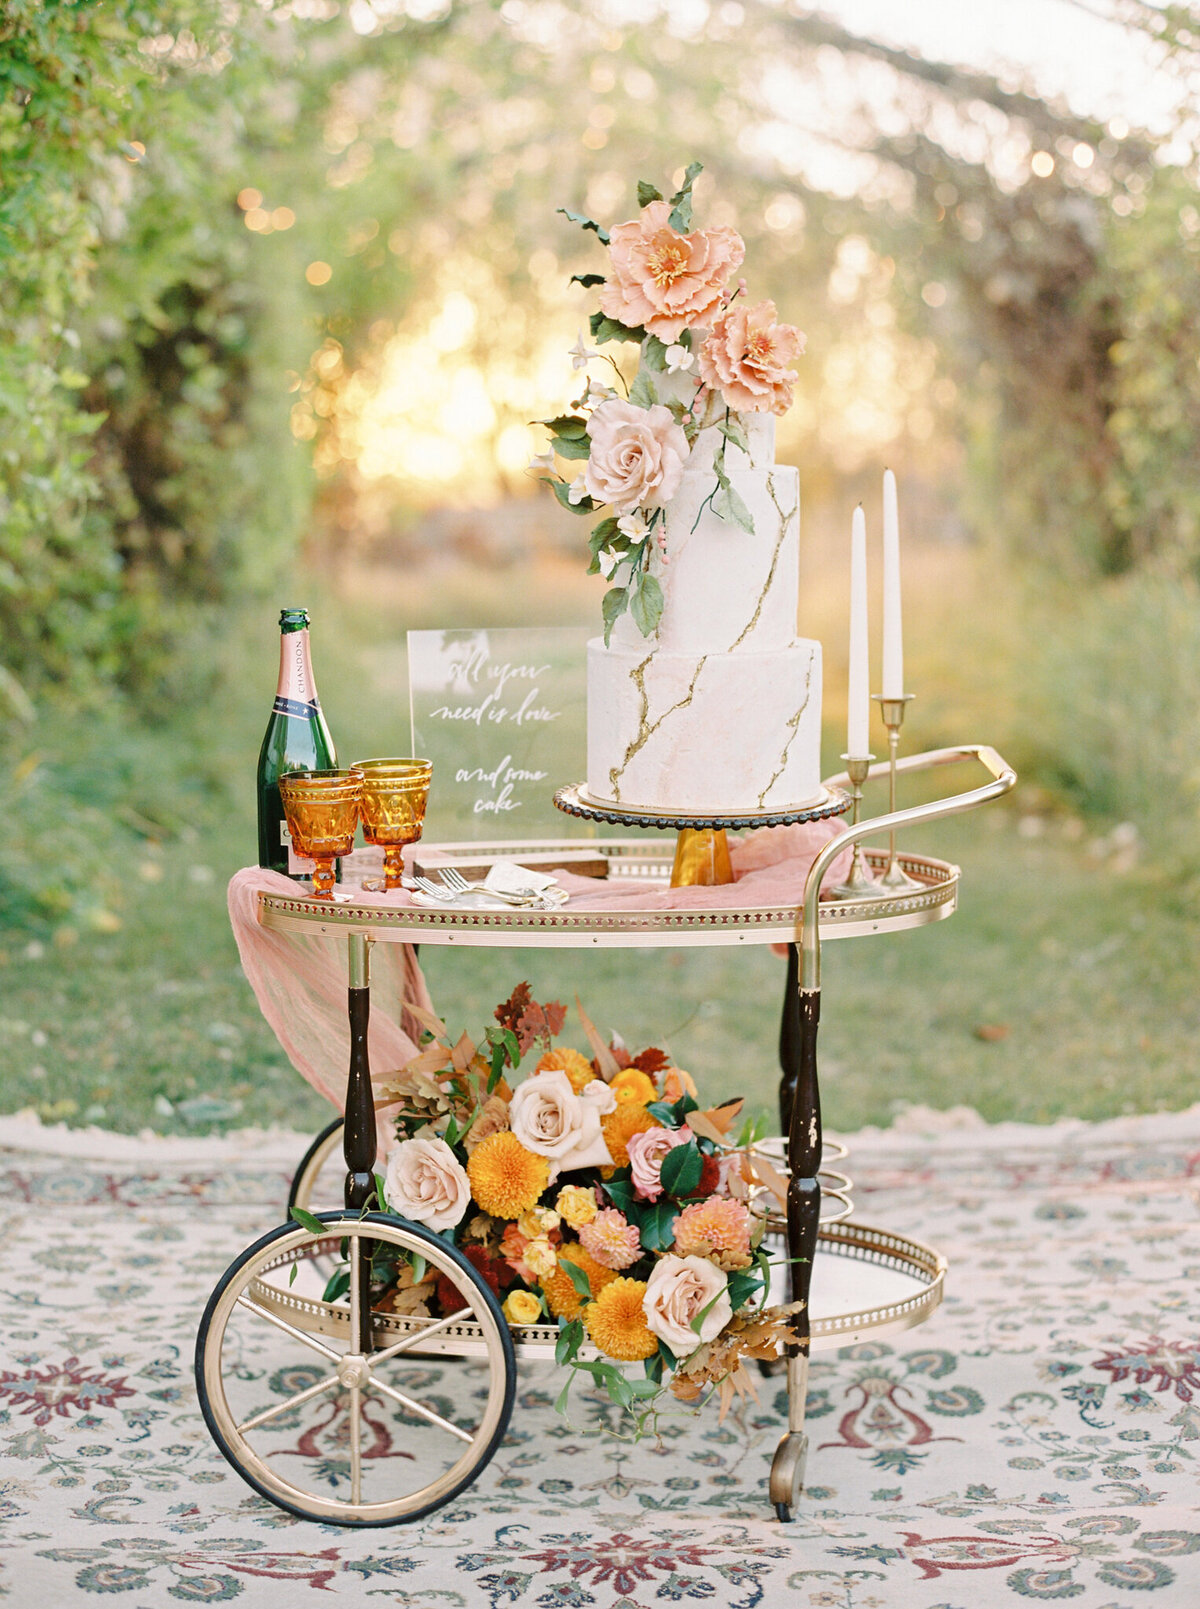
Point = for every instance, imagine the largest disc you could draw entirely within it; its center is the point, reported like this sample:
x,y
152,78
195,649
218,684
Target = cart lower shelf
x,y
866,1283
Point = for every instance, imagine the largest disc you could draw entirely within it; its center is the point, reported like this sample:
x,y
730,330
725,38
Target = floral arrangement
x,y
706,359
593,1194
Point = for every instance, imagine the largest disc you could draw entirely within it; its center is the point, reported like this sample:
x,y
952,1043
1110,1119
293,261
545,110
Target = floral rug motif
x,y
1037,1440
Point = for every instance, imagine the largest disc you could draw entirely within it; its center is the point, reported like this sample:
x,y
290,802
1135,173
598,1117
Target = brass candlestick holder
x,y
860,884
895,879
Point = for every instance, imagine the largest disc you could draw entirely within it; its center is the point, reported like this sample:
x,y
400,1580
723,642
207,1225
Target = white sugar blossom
x,y
577,490
542,460
678,357
633,526
597,393
581,353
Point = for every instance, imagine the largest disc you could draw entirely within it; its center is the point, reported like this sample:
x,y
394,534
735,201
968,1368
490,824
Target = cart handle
x,y
1003,779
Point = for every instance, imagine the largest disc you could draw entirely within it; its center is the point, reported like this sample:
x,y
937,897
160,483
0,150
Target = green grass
x,y
1088,972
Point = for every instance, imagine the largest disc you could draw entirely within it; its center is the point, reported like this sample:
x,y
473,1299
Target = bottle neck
x,y
296,693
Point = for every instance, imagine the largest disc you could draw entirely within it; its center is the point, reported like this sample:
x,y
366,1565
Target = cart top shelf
x,y
635,863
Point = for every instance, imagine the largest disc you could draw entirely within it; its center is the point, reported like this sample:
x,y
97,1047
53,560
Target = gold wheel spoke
x,y
288,1329
292,1402
355,1445
421,1336
422,1410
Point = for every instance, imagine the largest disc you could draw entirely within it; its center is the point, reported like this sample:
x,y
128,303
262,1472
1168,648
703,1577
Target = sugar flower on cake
x,y
747,358
666,282
637,456
646,1154
426,1182
680,1288
548,1118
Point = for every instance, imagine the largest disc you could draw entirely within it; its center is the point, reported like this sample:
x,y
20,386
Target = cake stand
x,y
456,1397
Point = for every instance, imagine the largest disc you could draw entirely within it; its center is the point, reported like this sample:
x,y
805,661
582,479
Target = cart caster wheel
x,y
335,1432
787,1473
309,1190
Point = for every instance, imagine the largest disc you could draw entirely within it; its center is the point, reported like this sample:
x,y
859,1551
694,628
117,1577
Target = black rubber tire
x,y
783,1512
486,1296
330,1128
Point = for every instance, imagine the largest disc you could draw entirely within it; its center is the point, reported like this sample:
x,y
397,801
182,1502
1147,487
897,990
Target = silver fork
x,y
457,883
447,893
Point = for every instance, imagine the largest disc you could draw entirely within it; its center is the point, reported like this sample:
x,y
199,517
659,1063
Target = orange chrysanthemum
x,y
621,1125
611,1239
616,1321
505,1178
563,1300
718,1229
572,1062
634,1085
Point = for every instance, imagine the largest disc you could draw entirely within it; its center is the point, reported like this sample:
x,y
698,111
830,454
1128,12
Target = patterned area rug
x,y
1036,1440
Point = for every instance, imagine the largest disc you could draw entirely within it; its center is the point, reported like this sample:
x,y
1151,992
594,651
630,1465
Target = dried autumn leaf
x,y
605,1060
768,1174
460,1057
651,1061
701,1123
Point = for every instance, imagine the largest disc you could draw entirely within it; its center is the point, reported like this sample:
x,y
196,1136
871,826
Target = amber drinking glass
x,y
322,813
394,794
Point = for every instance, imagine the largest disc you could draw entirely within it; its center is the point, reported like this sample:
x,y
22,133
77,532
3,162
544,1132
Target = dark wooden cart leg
x,y
359,1143
789,1040
803,1226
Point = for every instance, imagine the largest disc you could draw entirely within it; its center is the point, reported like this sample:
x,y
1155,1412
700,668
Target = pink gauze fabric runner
x,y
300,982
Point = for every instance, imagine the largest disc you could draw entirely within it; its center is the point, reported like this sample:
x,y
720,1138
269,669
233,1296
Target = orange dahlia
x,y
611,1239
563,1300
572,1062
621,1125
505,1177
634,1085
718,1229
616,1321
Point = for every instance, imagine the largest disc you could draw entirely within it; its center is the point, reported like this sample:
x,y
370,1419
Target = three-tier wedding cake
x,y
702,698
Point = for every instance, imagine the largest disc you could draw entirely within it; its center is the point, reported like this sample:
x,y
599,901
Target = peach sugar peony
x,y
637,456
666,282
747,356
717,1229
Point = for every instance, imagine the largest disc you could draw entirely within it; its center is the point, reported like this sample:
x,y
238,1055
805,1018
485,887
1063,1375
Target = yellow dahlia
x,y
505,1178
572,1062
616,1321
621,1125
522,1307
563,1300
611,1239
634,1085
718,1229
576,1205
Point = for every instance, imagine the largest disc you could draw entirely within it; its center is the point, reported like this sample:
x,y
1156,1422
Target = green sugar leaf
x,y
585,222
647,193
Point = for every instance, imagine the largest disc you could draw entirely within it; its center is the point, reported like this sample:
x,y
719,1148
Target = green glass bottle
x,y
296,739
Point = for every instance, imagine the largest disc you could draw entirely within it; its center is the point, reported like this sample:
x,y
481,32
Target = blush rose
x,y
426,1182
549,1118
646,1154
637,456
678,1289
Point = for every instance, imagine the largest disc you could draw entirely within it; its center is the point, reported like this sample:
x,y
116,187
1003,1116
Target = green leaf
x,y
732,428
681,1169
671,1114
560,1403
620,1389
381,1193
647,193
643,393
668,1357
587,280
616,601
561,490
578,1277
307,1221
605,535
585,222
654,354
451,1135
658,1225
418,1267
619,1192
681,202
697,1322
728,505
570,1339
569,425
644,1388
336,1286
646,604
295,1269
608,329
571,447
742,1287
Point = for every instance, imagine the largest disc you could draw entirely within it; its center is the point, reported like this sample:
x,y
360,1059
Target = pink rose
x,y
426,1182
646,1153
664,282
678,1289
747,356
549,1119
637,456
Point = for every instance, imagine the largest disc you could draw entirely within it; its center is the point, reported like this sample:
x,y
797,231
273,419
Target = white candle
x,y
858,722
893,631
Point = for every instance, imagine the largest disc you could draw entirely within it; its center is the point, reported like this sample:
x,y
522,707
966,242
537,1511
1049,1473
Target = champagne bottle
x,y
296,739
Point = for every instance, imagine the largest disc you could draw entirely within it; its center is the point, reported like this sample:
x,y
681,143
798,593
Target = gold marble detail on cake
x,y
784,520
794,727
646,727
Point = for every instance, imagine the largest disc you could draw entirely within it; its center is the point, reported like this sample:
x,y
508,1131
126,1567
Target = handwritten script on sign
x,y
502,715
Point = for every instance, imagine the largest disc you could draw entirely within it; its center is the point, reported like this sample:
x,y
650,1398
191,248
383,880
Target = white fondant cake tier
x,y
725,589
717,731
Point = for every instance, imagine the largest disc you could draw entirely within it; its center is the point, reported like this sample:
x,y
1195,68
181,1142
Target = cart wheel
x,y
787,1474
324,1155
354,1437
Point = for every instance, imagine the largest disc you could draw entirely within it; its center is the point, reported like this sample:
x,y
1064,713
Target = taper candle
x,y
893,631
858,718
